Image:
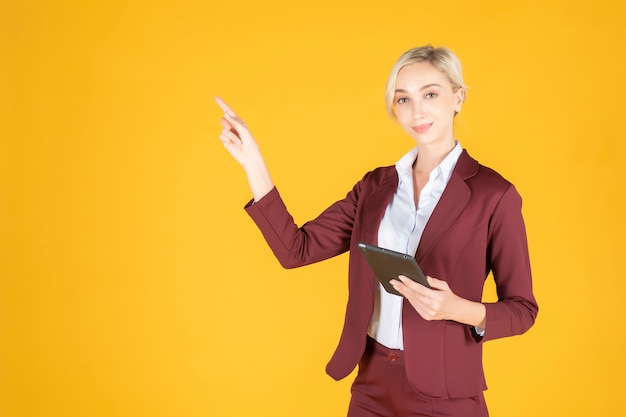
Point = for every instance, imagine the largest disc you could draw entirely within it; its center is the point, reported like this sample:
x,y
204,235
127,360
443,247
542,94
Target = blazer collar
x,y
451,204
377,203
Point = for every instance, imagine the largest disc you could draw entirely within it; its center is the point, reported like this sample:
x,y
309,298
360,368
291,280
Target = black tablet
x,y
388,264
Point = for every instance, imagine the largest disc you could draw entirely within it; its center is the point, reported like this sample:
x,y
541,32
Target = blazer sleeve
x,y
326,236
516,309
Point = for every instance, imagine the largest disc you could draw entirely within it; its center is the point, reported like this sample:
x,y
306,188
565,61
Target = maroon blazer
x,y
476,227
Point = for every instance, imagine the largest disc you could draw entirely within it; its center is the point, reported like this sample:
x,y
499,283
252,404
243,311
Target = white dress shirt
x,y
400,230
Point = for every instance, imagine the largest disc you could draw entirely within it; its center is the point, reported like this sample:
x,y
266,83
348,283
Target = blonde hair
x,y
441,58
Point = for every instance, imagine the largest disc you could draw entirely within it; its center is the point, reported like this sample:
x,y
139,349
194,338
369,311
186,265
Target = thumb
x,y
437,284
235,121
239,128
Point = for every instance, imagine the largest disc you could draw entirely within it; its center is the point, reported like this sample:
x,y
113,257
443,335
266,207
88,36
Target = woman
x,y
420,354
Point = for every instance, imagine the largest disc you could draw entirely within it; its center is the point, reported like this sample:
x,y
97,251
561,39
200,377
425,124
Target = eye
x,y
402,100
431,95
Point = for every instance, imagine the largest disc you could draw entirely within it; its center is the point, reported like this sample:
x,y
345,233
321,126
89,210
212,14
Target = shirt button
x,y
392,357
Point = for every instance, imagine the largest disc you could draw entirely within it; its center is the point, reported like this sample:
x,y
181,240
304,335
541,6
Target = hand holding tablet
x,y
388,265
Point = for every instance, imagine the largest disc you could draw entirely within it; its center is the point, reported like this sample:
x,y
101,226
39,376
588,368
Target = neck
x,y
431,155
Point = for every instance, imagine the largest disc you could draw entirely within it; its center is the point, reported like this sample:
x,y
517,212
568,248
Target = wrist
x,y
471,313
259,179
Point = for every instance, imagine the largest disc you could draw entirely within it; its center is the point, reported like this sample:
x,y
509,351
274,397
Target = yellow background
x,y
132,283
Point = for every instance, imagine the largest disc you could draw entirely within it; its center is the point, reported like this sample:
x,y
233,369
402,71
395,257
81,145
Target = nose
x,y
418,109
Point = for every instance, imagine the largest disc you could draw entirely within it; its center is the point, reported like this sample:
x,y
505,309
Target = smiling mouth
x,y
422,128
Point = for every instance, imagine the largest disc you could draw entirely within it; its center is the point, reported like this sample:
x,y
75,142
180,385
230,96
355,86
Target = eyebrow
x,y
400,90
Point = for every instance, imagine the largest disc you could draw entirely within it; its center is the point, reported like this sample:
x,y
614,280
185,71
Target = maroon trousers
x,y
381,389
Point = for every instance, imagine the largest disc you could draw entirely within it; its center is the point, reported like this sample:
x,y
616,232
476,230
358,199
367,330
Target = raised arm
x,y
238,140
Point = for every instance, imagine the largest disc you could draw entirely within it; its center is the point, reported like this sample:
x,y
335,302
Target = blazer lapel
x,y
450,205
376,204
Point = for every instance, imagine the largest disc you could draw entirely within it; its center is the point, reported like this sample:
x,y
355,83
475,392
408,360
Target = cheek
x,y
442,111
403,114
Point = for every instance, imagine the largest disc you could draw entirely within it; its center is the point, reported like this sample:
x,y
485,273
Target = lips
x,y
422,128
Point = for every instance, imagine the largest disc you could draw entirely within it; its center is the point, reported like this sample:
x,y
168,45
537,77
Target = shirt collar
x,y
405,165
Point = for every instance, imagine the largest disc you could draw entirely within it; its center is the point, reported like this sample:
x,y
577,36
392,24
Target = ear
x,y
459,97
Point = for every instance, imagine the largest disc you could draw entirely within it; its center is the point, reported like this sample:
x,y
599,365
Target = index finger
x,y
225,106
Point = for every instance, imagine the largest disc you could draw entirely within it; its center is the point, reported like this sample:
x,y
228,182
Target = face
x,y
425,104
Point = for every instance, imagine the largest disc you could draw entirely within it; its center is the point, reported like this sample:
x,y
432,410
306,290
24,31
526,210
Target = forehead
x,y
419,74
